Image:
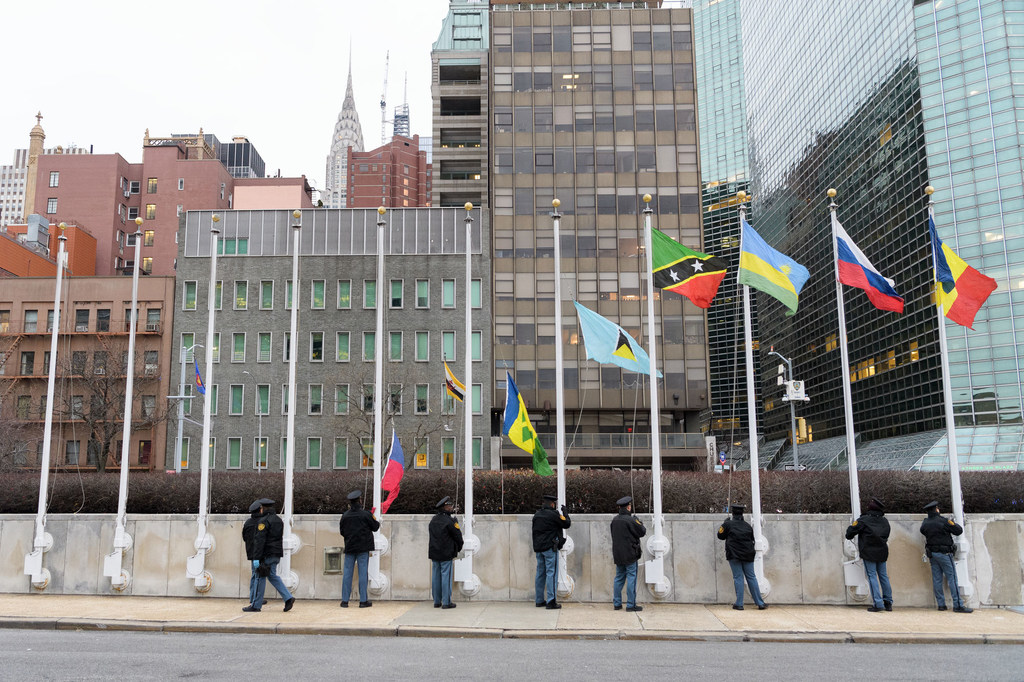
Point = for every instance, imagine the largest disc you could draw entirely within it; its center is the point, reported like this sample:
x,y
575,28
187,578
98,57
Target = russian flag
x,y
393,473
856,270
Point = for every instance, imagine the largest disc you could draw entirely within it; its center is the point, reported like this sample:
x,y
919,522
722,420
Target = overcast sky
x,y
103,71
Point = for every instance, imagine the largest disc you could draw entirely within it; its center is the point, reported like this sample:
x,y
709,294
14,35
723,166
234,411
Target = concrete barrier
x,y
804,562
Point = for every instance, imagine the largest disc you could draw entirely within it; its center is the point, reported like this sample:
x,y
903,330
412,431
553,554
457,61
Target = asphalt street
x,y
50,655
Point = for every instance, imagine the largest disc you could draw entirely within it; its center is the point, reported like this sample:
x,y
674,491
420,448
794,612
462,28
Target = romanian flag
x,y
200,386
961,289
856,270
455,388
608,343
393,473
520,431
687,272
767,270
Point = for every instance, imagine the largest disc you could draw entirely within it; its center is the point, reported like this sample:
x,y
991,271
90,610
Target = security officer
x,y
938,532
872,533
548,525
267,550
357,528
445,544
626,533
739,550
248,537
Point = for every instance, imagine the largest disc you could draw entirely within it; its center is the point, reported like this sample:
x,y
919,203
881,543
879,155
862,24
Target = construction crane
x,y
383,99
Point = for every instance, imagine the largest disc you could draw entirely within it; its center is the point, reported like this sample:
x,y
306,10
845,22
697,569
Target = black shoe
x,y
448,606
264,603
874,609
888,606
437,606
737,607
634,608
365,604
288,604
344,604
540,604
250,609
942,608
617,607
553,605
963,609
762,607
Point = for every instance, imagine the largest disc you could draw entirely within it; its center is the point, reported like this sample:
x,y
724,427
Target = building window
x,y
284,400
474,293
71,452
344,294
396,293
312,453
177,214
147,264
259,452
422,454
369,294
395,347
211,395
341,399
368,393
395,399
448,453
133,212
148,237
241,295
150,211
422,398
316,346
422,346
476,393
237,396
287,346
51,207
448,346
284,452
188,340
316,398
267,295
478,447
215,351
447,293
151,186
263,352
238,347
135,186
423,293
189,297
366,446
447,402
184,452
31,321
181,184
288,295
317,294
234,453
341,453
477,341
150,360
54,178
82,320
369,346
343,348
263,399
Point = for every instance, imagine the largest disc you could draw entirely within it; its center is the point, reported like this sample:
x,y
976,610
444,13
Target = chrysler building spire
x,y
347,133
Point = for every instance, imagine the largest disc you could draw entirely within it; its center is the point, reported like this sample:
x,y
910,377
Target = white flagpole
x,y
566,584
290,541
658,545
471,544
760,542
844,355
42,542
963,546
378,581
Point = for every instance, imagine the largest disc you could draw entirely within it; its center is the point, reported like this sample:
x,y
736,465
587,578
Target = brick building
x,y
30,250
394,175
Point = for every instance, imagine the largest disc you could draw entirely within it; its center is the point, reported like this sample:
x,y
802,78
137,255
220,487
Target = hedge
x,y
517,491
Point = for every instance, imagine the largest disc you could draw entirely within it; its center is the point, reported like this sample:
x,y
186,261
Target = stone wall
x,y
803,564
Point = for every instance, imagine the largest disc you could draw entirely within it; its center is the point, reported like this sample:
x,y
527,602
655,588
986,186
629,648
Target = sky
x,y
104,71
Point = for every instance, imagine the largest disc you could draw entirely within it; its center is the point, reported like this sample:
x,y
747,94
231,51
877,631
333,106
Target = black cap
x,y
875,504
255,506
933,503
355,495
444,500
737,508
623,501
550,498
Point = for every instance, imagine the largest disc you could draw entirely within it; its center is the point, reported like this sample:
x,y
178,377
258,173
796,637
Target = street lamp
x,y
794,392
261,463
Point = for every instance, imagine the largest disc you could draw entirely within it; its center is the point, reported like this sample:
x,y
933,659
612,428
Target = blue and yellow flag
x,y
520,431
961,290
608,343
200,386
767,270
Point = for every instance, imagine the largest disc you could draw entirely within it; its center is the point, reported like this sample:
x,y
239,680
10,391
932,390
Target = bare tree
x,y
15,435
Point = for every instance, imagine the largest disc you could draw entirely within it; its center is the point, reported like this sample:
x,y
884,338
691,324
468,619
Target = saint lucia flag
x,y
520,431
608,343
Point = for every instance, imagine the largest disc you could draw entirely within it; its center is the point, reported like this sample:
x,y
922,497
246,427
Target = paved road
x,y
35,654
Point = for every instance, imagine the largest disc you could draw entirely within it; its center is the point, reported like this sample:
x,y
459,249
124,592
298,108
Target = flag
x,y
856,270
961,289
520,431
721,457
687,272
200,386
393,472
607,342
767,270
455,387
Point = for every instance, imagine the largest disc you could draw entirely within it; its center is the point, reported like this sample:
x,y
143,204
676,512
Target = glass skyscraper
x,y
880,99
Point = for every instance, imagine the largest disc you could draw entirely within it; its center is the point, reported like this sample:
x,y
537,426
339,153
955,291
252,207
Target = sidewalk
x,y
779,623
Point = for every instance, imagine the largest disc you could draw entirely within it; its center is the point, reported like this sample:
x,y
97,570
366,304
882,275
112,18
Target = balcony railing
x,y
610,441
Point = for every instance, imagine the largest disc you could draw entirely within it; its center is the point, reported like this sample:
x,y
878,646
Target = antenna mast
x,y
383,98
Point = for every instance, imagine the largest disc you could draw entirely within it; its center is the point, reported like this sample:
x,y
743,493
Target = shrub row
x,y
517,491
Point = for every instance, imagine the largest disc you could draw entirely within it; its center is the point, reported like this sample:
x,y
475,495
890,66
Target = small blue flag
x,y
200,386
608,343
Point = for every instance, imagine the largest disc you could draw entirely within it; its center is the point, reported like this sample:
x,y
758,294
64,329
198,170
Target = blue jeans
x,y
942,565
252,587
441,582
275,580
363,559
875,571
547,575
741,569
625,575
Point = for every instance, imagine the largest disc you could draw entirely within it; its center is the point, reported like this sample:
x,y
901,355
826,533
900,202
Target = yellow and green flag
x,y
520,431
770,271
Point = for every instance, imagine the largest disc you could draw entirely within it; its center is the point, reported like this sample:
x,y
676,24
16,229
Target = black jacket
x,y
547,529
739,539
266,541
357,527
249,535
872,531
626,533
938,532
445,537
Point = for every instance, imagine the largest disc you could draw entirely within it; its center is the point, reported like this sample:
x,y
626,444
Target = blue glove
x,y
255,563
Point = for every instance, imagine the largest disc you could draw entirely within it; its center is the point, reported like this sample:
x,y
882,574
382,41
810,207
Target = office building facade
x,y
395,175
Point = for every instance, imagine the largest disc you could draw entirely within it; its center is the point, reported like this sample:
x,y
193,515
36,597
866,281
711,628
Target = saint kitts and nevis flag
x,y
961,290
689,273
520,431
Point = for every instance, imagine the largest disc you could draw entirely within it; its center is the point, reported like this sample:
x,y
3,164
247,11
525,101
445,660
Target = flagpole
x,y
844,354
760,542
471,544
290,541
565,582
658,545
378,581
963,546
